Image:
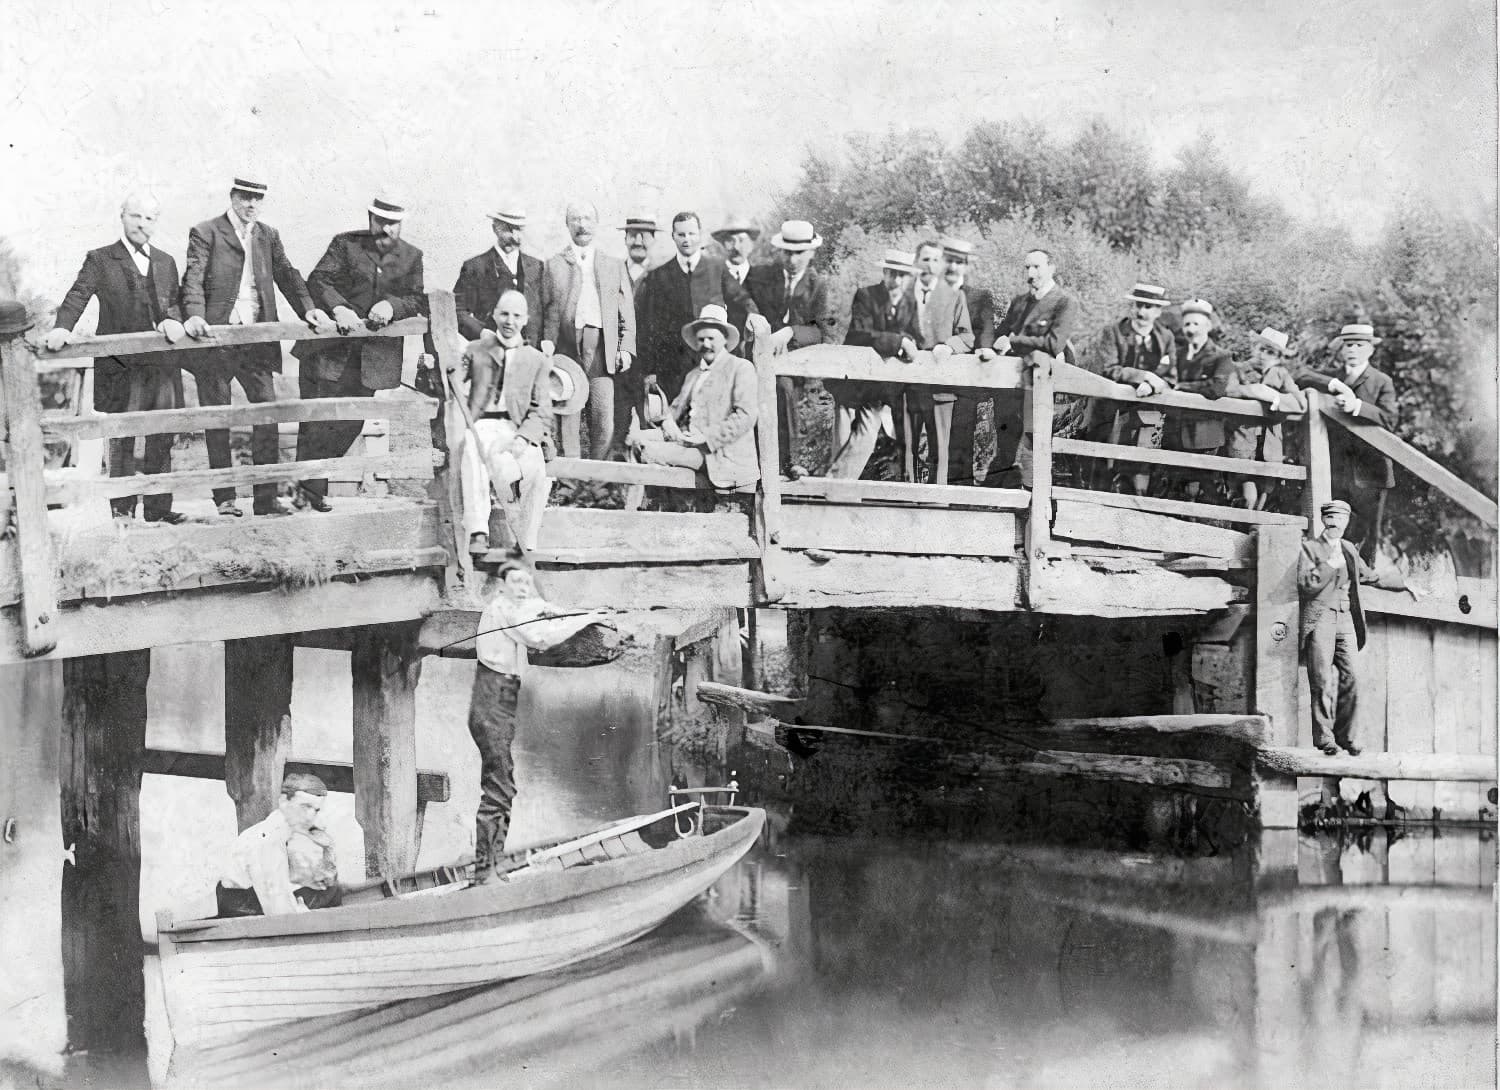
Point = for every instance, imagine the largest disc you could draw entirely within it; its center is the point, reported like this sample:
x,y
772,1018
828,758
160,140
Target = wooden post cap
x,y
13,318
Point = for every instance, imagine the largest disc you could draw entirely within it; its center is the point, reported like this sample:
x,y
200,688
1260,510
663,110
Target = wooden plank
x,y
1088,587
1397,603
1416,463
25,455
1319,487
336,776
750,700
664,586
589,469
1182,508
906,493
705,626
413,465
593,528
862,528
1462,768
257,723
1038,529
1244,467
1078,520
163,421
685,552
219,336
1457,723
1172,772
445,487
1250,729
767,426
1277,620
813,581
839,361
1409,704
1072,379
386,663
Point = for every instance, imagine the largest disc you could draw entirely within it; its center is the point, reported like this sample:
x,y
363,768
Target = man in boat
x,y
283,864
510,402
516,619
1329,573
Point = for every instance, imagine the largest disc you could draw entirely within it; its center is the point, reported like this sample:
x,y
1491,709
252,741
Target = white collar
x,y
1042,294
511,263
1354,376
1135,331
132,251
734,270
688,264
240,227
581,256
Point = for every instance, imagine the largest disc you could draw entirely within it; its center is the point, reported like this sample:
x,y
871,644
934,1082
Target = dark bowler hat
x,y
13,318
641,221
245,185
1149,294
735,225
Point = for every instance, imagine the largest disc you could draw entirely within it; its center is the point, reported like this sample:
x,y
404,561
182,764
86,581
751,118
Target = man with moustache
x,y
501,268
674,294
1140,352
640,232
738,238
795,301
235,263
1041,319
371,277
1206,369
958,257
136,285
943,322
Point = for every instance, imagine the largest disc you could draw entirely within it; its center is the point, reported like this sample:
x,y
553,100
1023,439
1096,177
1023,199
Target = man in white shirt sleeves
x,y
257,877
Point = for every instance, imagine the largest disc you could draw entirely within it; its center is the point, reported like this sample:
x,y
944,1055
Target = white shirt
x,y
1043,291
258,861
507,628
512,260
589,312
739,271
246,301
636,270
142,260
1338,560
688,264
923,292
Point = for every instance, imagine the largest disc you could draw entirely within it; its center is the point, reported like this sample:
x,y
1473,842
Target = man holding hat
x,y
958,256
794,300
883,317
222,286
1202,368
369,279
501,268
1360,391
1329,572
711,427
1139,352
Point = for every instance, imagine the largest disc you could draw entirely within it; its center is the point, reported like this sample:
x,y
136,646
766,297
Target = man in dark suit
x,y
630,393
371,277
1139,352
1360,474
957,258
794,299
738,239
136,285
1329,573
674,294
1041,319
883,317
1206,369
501,268
943,320
220,287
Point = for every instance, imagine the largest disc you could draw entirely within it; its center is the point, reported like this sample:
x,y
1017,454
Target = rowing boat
x,y
561,905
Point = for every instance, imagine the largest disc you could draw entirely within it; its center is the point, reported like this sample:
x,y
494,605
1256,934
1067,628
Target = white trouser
x,y
525,517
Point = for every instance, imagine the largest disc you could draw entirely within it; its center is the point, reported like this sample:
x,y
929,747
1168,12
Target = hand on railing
x,y
56,338
172,330
197,327
346,320
908,350
380,315
1150,385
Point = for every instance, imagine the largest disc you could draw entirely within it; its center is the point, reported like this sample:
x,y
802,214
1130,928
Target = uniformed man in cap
x,y
501,268
1329,573
366,278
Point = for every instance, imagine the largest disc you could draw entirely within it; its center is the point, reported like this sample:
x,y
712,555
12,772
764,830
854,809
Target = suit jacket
x,y
1210,373
481,282
1040,325
808,312
1377,404
1320,585
721,405
524,387
879,322
616,303
109,274
668,300
353,273
945,320
981,304
215,258
1120,359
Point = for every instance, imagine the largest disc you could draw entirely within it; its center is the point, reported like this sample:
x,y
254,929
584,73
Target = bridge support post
x,y
1277,617
257,723
103,735
387,663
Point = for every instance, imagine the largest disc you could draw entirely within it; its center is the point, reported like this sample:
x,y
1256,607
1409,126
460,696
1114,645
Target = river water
x,y
903,961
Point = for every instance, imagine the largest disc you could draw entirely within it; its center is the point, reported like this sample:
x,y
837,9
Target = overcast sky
x,y
1339,108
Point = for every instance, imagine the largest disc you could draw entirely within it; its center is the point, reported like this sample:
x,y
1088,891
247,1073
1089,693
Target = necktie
x,y
786,317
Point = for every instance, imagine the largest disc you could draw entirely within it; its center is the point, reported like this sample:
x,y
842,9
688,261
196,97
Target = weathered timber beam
x,y
1076,586
812,580
824,361
680,586
1244,467
1072,379
1252,729
24,455
590,469
336,776
1180,508
903,493
165,421
1397,603
1310,898
415,465
750,700
1078,520
897,530
1454,767
704,628
220,336
1172,772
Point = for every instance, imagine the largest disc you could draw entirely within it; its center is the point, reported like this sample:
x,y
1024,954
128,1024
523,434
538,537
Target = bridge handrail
x,y
1075,380
863,364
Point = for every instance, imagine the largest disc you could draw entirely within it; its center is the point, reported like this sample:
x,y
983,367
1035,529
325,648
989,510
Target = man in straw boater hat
x,y
640,233
1202,368
235,263
794,299
1360,474
1329,572
503,267
711,427
366,278
1137,351
958,259
1267,379
883,317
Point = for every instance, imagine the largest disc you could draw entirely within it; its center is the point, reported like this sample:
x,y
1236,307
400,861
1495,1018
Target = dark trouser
x,y
1366,514
630,393
151,387
788,425
1007,406
328,438
588,351
492,724
244,902
961,440
256,369
1329,649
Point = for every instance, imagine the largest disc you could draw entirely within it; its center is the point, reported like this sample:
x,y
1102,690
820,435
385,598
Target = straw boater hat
x,y
796,235
1198,306
903,261
735,225
641,221
569,386
957,247
1150,294
245,184
509,213
1357,332
716,316
387,207
1273,337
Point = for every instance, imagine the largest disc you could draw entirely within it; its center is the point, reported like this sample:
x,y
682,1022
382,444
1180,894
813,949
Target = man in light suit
x,y
957,273
501,268
794,299
711,427
221,287
943,322
590,319
372,278
136,285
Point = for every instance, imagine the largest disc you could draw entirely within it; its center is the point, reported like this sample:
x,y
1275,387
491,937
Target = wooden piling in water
x,y
387,662
257,723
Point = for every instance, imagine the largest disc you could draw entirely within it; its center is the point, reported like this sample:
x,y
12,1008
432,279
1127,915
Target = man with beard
x,y
371,278
501,268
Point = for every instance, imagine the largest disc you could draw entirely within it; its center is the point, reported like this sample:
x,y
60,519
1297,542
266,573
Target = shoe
x,y
1353,751
229,509
171,518
275,507
122,516
796,472
479,543
1330,750
316,500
